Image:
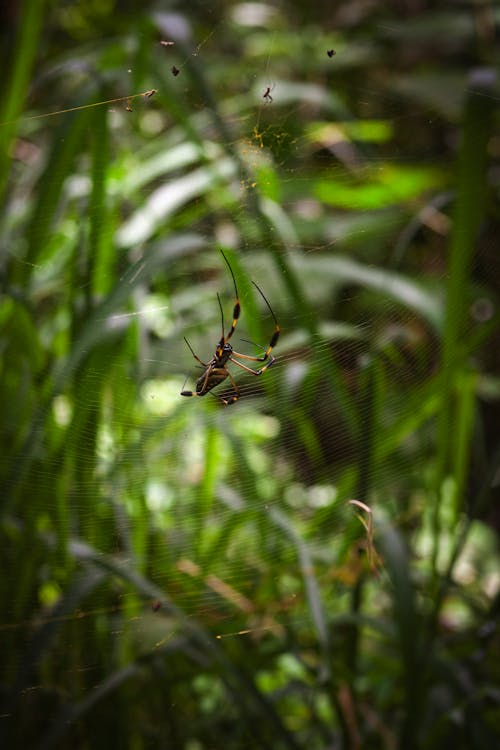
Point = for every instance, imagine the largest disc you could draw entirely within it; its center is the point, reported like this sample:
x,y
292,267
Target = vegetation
x,y
316,565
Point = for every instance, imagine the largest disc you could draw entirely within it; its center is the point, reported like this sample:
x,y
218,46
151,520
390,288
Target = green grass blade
x,y
31,15
469,210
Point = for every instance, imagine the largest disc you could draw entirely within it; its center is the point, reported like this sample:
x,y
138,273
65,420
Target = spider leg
x,y
205,364
207,373
236,392
236,315
267,352
249,369
253,359
187,393
194,393
274,337
237,305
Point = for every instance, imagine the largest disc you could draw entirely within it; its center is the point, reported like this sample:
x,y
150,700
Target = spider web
x,y
239,516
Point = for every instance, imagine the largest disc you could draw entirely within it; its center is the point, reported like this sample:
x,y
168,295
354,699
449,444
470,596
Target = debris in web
x,y
371,552
267,94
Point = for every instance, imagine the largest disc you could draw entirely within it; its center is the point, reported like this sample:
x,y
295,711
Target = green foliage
x,y
182,574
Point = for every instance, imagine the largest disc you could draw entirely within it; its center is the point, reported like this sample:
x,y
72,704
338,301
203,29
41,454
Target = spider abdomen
x,y
210,379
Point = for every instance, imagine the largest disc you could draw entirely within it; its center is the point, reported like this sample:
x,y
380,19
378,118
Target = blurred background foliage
x,y
182,574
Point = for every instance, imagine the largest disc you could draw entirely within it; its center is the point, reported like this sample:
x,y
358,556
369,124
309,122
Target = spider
x,y
267,94
215,371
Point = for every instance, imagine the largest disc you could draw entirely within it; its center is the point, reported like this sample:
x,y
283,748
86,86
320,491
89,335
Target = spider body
x,y
216,371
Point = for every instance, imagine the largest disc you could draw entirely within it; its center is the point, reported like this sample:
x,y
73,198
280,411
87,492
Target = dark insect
x,y
215,371
175,71
155,605
128,106
267,94
331,52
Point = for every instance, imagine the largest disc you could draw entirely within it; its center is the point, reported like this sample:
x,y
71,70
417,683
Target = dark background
x,y
178,573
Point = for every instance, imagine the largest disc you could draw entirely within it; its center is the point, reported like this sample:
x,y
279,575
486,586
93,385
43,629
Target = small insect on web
x,y
267,94
216,371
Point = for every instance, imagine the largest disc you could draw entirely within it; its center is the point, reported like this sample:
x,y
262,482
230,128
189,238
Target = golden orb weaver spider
x,y
216,370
